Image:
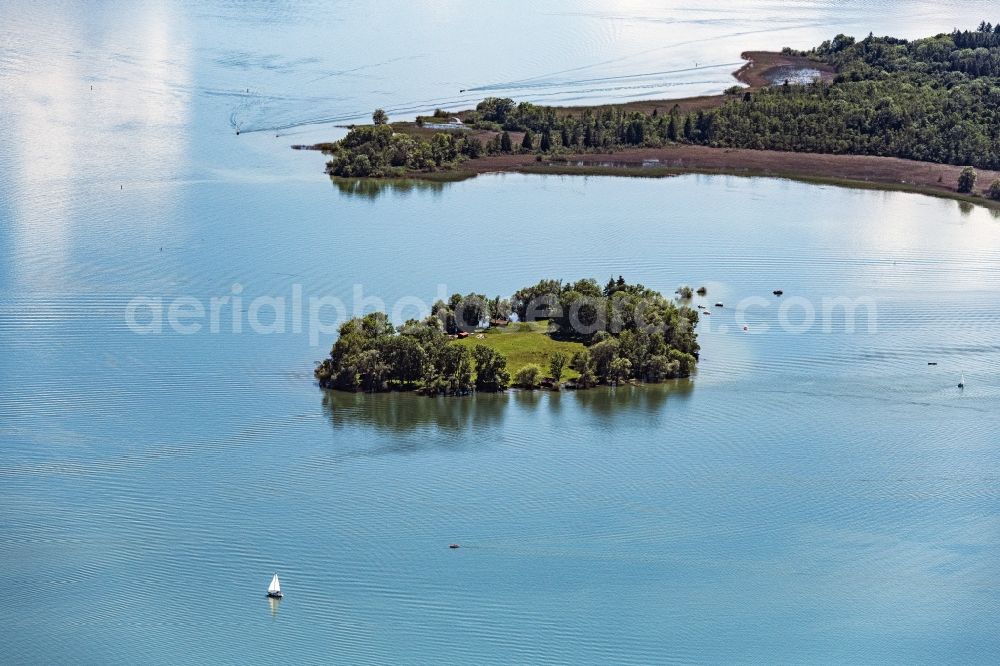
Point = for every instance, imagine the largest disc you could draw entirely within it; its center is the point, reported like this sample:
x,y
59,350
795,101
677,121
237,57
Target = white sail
x,y
275,586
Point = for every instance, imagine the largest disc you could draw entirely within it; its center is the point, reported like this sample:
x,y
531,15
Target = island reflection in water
x,y
375,188
408,412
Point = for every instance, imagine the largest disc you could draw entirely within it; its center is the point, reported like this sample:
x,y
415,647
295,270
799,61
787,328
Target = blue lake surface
x,y
817,493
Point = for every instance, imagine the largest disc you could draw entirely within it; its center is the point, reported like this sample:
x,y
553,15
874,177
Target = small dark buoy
x,y
454,545
237,132
121,187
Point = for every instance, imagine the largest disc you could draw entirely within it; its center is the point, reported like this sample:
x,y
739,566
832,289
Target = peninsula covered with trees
x,y
579,332
932,101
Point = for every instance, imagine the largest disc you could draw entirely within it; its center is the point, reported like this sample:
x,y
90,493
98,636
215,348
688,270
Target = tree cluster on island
x,y
375,151
935,100
628,332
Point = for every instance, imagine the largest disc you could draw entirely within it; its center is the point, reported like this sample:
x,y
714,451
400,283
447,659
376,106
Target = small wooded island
x,y
918,115
577,332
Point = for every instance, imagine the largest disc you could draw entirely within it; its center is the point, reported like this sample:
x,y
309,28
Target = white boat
x,y
961,382
274,589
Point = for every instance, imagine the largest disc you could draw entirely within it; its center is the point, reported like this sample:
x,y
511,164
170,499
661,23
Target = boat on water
x,y
274,589
961,382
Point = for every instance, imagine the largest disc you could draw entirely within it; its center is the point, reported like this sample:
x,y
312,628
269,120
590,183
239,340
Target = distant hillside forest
x,y
935,99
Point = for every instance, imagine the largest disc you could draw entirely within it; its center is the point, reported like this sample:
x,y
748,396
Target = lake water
x,y
810,496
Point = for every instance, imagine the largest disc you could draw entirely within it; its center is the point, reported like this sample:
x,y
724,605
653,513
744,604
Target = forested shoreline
x,y
934,100
600,335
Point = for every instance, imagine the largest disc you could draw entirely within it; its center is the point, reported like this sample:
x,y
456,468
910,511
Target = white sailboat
x,y
961,382
274,589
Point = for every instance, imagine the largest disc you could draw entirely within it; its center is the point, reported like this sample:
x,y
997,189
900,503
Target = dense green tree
x,y
462,313
444,148
546,142
493,146
556,364
380,117
491,369
495,109
373,371
659,367
584,365
603,355
994,191
619,370
967,180
453,370
472,147
405,357
686,362
528,376
471,311
528,142
500,308
505,144
446,314
355,360
535,302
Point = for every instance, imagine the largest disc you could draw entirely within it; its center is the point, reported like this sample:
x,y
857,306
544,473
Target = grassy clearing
x,y
522,344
